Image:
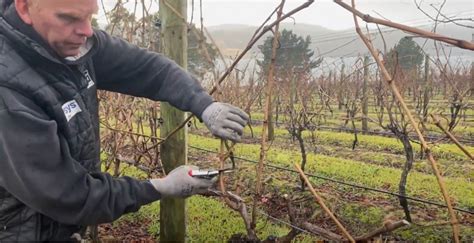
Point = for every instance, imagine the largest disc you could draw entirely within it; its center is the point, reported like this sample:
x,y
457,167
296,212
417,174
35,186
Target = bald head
x,y
64,24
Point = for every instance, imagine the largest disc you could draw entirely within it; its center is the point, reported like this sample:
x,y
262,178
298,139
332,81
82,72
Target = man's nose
x,y
84,28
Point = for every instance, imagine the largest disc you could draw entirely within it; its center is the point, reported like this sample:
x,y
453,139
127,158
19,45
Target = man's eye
x,y
67,18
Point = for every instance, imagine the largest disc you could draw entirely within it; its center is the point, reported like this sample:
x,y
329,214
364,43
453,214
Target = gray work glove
x,y
179,183
225,121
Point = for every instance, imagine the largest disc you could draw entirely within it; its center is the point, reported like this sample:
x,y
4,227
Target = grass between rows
x,y
371,142
386,151
419,184
207,219
461,169
464,129
444,107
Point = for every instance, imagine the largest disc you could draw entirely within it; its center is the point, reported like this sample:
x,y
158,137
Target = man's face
x,y
63,24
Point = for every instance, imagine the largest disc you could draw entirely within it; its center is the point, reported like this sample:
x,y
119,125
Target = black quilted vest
x,y
29,69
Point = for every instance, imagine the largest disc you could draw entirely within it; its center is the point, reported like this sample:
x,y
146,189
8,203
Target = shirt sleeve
x,y
37,169
128,69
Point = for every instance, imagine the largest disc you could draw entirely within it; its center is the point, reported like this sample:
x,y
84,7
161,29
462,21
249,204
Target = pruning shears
x,y
208,174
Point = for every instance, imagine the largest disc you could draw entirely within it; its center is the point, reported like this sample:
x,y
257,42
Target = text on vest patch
x,y
70,109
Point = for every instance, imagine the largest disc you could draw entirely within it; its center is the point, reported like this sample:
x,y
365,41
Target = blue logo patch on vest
x,y
70,109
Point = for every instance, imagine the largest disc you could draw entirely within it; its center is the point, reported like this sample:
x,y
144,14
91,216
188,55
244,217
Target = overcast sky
x,y
325,13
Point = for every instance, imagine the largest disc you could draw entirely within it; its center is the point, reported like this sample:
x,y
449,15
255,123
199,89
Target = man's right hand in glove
x,y
179,183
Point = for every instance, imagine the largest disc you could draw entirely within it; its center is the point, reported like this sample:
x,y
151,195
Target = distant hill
x,y
334,43
236,36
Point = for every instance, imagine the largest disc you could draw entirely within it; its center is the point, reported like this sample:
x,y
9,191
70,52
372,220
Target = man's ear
x,y
23,10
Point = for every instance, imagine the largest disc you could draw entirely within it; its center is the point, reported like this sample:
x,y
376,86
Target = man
x,y
51,64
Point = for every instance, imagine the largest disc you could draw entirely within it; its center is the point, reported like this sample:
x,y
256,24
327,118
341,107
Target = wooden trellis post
x,y
173,151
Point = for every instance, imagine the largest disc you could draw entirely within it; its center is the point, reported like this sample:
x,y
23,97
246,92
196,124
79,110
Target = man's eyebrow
x,y
73,15
68,15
